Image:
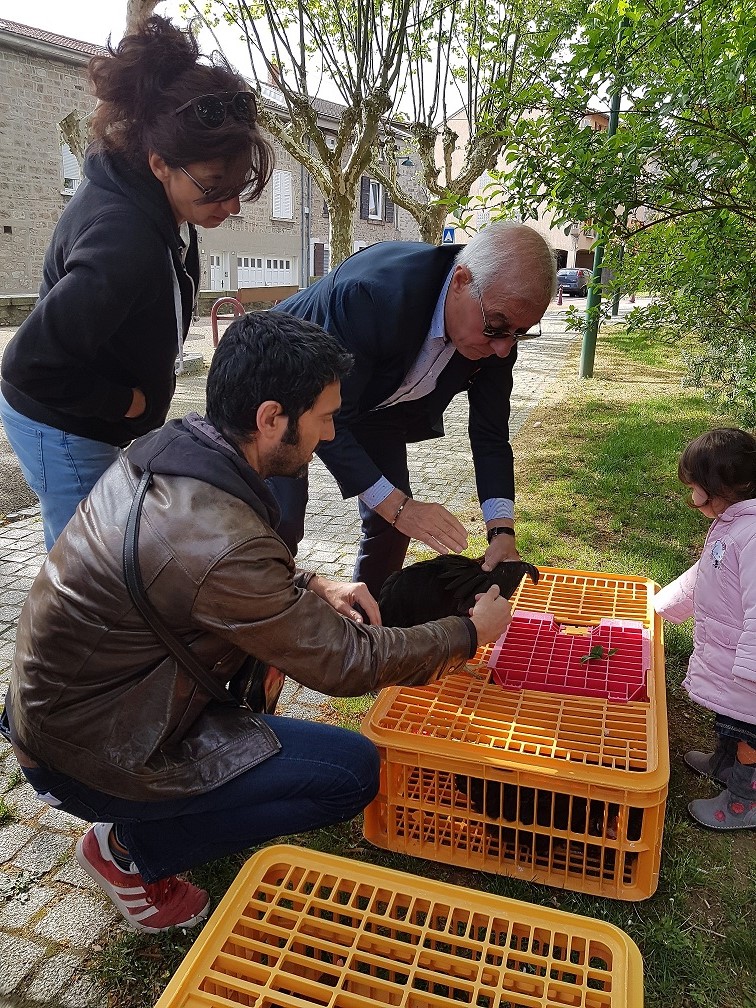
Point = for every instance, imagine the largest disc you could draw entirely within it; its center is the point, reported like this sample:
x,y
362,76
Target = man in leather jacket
x,y
110,726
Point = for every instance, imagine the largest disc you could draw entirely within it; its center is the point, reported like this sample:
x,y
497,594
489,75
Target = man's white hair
x,y
510,259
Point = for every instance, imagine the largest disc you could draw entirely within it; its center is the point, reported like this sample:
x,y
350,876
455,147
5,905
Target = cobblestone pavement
x,y
51,914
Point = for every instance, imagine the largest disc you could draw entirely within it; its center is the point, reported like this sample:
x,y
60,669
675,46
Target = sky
x,y
86,20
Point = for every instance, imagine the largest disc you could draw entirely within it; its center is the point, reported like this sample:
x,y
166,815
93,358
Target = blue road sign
x,y
448,238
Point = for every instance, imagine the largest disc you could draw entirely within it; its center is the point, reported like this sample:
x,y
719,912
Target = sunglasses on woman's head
x,y
212,109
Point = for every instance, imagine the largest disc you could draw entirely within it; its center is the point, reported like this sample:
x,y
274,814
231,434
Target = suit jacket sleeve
x,y
352,315
489,395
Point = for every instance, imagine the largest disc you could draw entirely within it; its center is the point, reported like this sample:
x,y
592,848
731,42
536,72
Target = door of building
x,y
249,271
279,272
216,272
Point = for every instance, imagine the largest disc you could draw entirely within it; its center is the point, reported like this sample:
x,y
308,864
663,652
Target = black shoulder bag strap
x,y
134,583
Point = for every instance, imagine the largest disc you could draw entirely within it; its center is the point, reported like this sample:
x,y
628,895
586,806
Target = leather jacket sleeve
x,y
251,600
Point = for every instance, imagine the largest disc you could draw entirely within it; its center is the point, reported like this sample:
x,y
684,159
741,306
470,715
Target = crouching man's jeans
x,y
322,775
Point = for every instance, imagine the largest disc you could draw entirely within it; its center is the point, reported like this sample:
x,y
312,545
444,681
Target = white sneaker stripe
x,y
145,913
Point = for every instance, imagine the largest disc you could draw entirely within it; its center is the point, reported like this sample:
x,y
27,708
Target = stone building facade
x,y
42,80
282,239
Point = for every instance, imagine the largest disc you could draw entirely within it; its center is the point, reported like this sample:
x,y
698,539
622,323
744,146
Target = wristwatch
x,y
505,529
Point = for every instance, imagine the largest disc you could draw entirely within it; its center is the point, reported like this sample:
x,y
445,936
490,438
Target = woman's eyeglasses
x,y
215,194
503,332
212,109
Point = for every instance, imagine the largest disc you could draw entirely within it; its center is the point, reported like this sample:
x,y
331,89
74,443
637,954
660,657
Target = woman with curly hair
x,y
175,145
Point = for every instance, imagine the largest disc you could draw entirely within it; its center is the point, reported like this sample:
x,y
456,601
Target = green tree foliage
x,y
471,70
356,45
676,185
402,71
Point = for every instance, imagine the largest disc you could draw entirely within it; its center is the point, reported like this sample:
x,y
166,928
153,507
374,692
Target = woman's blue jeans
x,y
322,775
60,468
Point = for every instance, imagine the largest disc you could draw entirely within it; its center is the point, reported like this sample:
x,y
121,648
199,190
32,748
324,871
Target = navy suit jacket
x,y
379,303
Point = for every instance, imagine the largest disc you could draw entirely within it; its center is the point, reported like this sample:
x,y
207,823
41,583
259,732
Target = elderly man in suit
x,y
423,323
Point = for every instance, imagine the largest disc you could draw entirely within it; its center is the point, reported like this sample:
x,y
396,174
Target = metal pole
x,y
593,305
616,298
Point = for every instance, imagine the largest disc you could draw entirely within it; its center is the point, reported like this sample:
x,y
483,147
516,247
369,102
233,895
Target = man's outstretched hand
x,y
351,599
430,524
491,615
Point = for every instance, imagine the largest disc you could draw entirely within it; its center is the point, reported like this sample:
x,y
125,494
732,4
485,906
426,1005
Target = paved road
x,y
50,912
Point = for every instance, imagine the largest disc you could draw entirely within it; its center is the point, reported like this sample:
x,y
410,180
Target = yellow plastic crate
x,y
299,928
558,789
586,597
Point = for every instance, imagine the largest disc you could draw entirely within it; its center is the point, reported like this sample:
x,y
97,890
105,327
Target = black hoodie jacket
x,y
115,302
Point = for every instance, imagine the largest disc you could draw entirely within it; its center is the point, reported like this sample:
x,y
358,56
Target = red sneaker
x,y
153,907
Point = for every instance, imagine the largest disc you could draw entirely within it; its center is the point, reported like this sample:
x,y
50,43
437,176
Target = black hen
x,y
445,586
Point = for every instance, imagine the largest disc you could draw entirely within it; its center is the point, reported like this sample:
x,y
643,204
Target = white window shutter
x,y
283,195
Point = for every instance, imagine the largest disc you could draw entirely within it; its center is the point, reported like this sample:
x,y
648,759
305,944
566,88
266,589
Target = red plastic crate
x,y
537,653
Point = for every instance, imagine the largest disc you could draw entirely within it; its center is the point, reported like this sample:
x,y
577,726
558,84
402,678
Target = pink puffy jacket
x,y
719,591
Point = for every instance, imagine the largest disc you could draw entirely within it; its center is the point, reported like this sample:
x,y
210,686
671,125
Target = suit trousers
x,y
382,548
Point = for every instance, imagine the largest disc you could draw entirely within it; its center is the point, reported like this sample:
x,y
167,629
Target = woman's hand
x,y
138,405
344,597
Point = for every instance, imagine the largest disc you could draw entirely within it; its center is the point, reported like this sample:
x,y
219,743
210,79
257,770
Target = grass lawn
x,y
597,490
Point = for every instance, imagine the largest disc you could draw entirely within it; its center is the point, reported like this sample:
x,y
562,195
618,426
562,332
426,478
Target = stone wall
x,y
15,307
36,92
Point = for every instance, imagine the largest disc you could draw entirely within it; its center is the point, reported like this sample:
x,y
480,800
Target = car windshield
x,y
567,273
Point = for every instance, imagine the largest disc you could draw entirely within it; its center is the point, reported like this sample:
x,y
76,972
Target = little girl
x,y
720,592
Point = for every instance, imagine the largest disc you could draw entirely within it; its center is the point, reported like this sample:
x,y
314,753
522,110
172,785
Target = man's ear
x,y
159,168
461,277
271,420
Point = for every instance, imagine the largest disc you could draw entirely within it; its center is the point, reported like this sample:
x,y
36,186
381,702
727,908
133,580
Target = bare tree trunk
x,y
431,223
138,11
341,211
73,135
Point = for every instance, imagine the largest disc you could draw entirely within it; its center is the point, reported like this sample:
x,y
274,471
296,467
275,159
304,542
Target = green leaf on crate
x,y
596,652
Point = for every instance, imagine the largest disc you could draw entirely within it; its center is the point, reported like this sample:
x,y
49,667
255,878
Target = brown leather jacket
x,y
93,693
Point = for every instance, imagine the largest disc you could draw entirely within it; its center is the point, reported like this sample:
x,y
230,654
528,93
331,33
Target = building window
x,y
375,201
70,170
282,188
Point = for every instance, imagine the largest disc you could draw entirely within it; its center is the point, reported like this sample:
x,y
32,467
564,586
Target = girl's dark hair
x,y
270,355
723,463
142,82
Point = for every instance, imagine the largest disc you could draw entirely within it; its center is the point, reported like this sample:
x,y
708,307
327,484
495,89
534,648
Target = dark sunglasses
x,y
214,194
212,109
504,333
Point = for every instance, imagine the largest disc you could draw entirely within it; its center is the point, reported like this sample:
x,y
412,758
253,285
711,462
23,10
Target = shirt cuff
x,y
497,507
377,493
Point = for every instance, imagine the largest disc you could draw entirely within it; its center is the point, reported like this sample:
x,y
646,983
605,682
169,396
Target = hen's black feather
x,y
445,586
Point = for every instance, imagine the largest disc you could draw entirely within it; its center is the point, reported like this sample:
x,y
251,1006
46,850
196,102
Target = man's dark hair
x,y
270,355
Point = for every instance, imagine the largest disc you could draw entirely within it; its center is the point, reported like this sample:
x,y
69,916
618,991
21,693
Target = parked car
x,y
574,281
